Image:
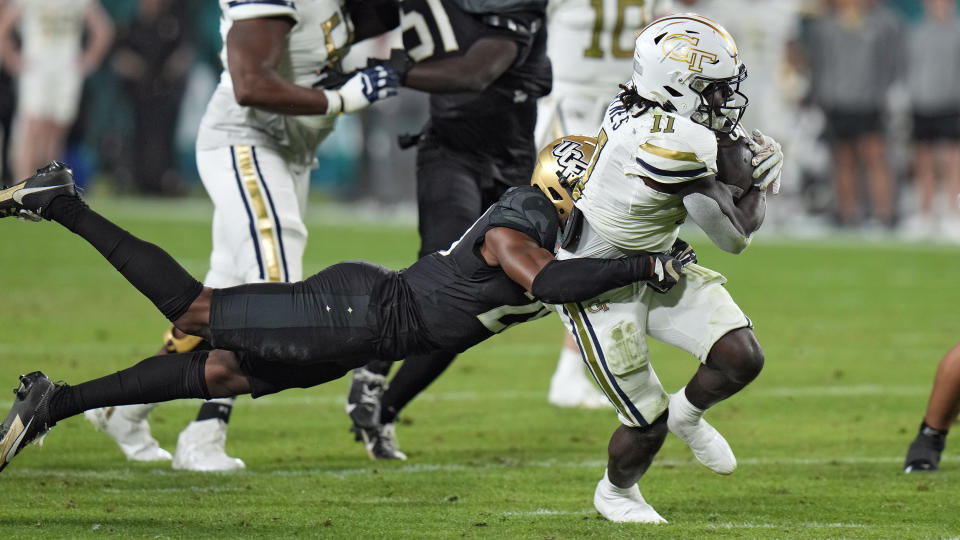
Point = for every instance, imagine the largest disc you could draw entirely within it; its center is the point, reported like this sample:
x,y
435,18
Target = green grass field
x,y
852,333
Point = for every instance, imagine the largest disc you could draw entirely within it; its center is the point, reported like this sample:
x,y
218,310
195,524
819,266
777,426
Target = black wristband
x,y
575,280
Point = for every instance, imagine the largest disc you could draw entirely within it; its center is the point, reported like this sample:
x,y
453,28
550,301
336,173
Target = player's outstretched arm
x,y
728,223
572,280
254,50
484,62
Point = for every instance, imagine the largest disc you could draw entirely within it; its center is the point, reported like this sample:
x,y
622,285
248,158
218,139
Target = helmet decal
x,y
559,165
570,158
690,65
682,48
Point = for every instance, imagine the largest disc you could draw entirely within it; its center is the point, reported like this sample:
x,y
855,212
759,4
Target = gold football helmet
x,y
559,166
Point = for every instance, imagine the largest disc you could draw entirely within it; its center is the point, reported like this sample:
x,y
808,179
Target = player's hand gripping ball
x,y
767,161
735,164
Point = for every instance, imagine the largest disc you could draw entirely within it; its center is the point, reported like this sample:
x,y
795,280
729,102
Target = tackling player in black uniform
x,y
484,63
267,337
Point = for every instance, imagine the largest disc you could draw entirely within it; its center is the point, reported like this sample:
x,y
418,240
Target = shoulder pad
x,y
527,209
673,152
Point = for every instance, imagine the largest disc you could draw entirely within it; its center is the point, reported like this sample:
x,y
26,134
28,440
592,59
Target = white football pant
x,y
259,204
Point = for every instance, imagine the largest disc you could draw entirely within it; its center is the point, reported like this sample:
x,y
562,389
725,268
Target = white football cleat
x,y
127,426
200,447
709,447
623,505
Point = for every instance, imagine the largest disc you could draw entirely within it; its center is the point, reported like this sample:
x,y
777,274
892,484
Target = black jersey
x,y
497,122
462,300
309,332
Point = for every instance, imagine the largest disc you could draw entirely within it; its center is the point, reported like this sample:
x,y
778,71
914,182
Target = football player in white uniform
x,y
654,165
256,146
591,45
50,65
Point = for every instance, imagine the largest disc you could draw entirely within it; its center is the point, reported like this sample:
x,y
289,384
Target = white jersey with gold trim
x,y
619,207
321,36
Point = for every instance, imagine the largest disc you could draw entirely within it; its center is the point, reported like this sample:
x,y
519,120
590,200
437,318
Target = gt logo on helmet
x,y
680,47
570,158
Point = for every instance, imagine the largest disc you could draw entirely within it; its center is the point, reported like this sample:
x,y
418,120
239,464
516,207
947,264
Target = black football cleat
x,y
363,400
380,441
30,197
924,453
29,419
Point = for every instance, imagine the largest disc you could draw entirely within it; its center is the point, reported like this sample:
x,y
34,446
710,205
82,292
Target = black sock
x,y
936,436
416,373
159,378
147,267
213,409
380,367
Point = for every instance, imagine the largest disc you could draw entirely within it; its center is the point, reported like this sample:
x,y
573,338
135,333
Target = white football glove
x,y
767,161
363,88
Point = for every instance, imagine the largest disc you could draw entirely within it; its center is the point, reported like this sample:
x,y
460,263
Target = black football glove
x,y
399,62
330,78
683,253
664,272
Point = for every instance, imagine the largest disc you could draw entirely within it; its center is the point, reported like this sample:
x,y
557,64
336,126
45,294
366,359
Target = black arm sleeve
x,y
373,17
575,280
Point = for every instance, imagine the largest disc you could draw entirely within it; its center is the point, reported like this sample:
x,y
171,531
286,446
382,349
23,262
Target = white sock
x,y
682,409
611,487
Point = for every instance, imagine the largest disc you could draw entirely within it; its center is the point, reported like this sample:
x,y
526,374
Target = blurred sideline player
x,y
51,66
655,164
484,64
591,46
942,409
255,148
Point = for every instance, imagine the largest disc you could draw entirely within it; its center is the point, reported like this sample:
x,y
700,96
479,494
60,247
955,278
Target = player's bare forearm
x,y
516,253
484,62
728,223
751,209
572,280
254,50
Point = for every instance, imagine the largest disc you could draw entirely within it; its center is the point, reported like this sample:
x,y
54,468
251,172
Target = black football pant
x,y
284,334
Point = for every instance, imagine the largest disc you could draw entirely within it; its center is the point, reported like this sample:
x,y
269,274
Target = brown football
x,y
733,164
